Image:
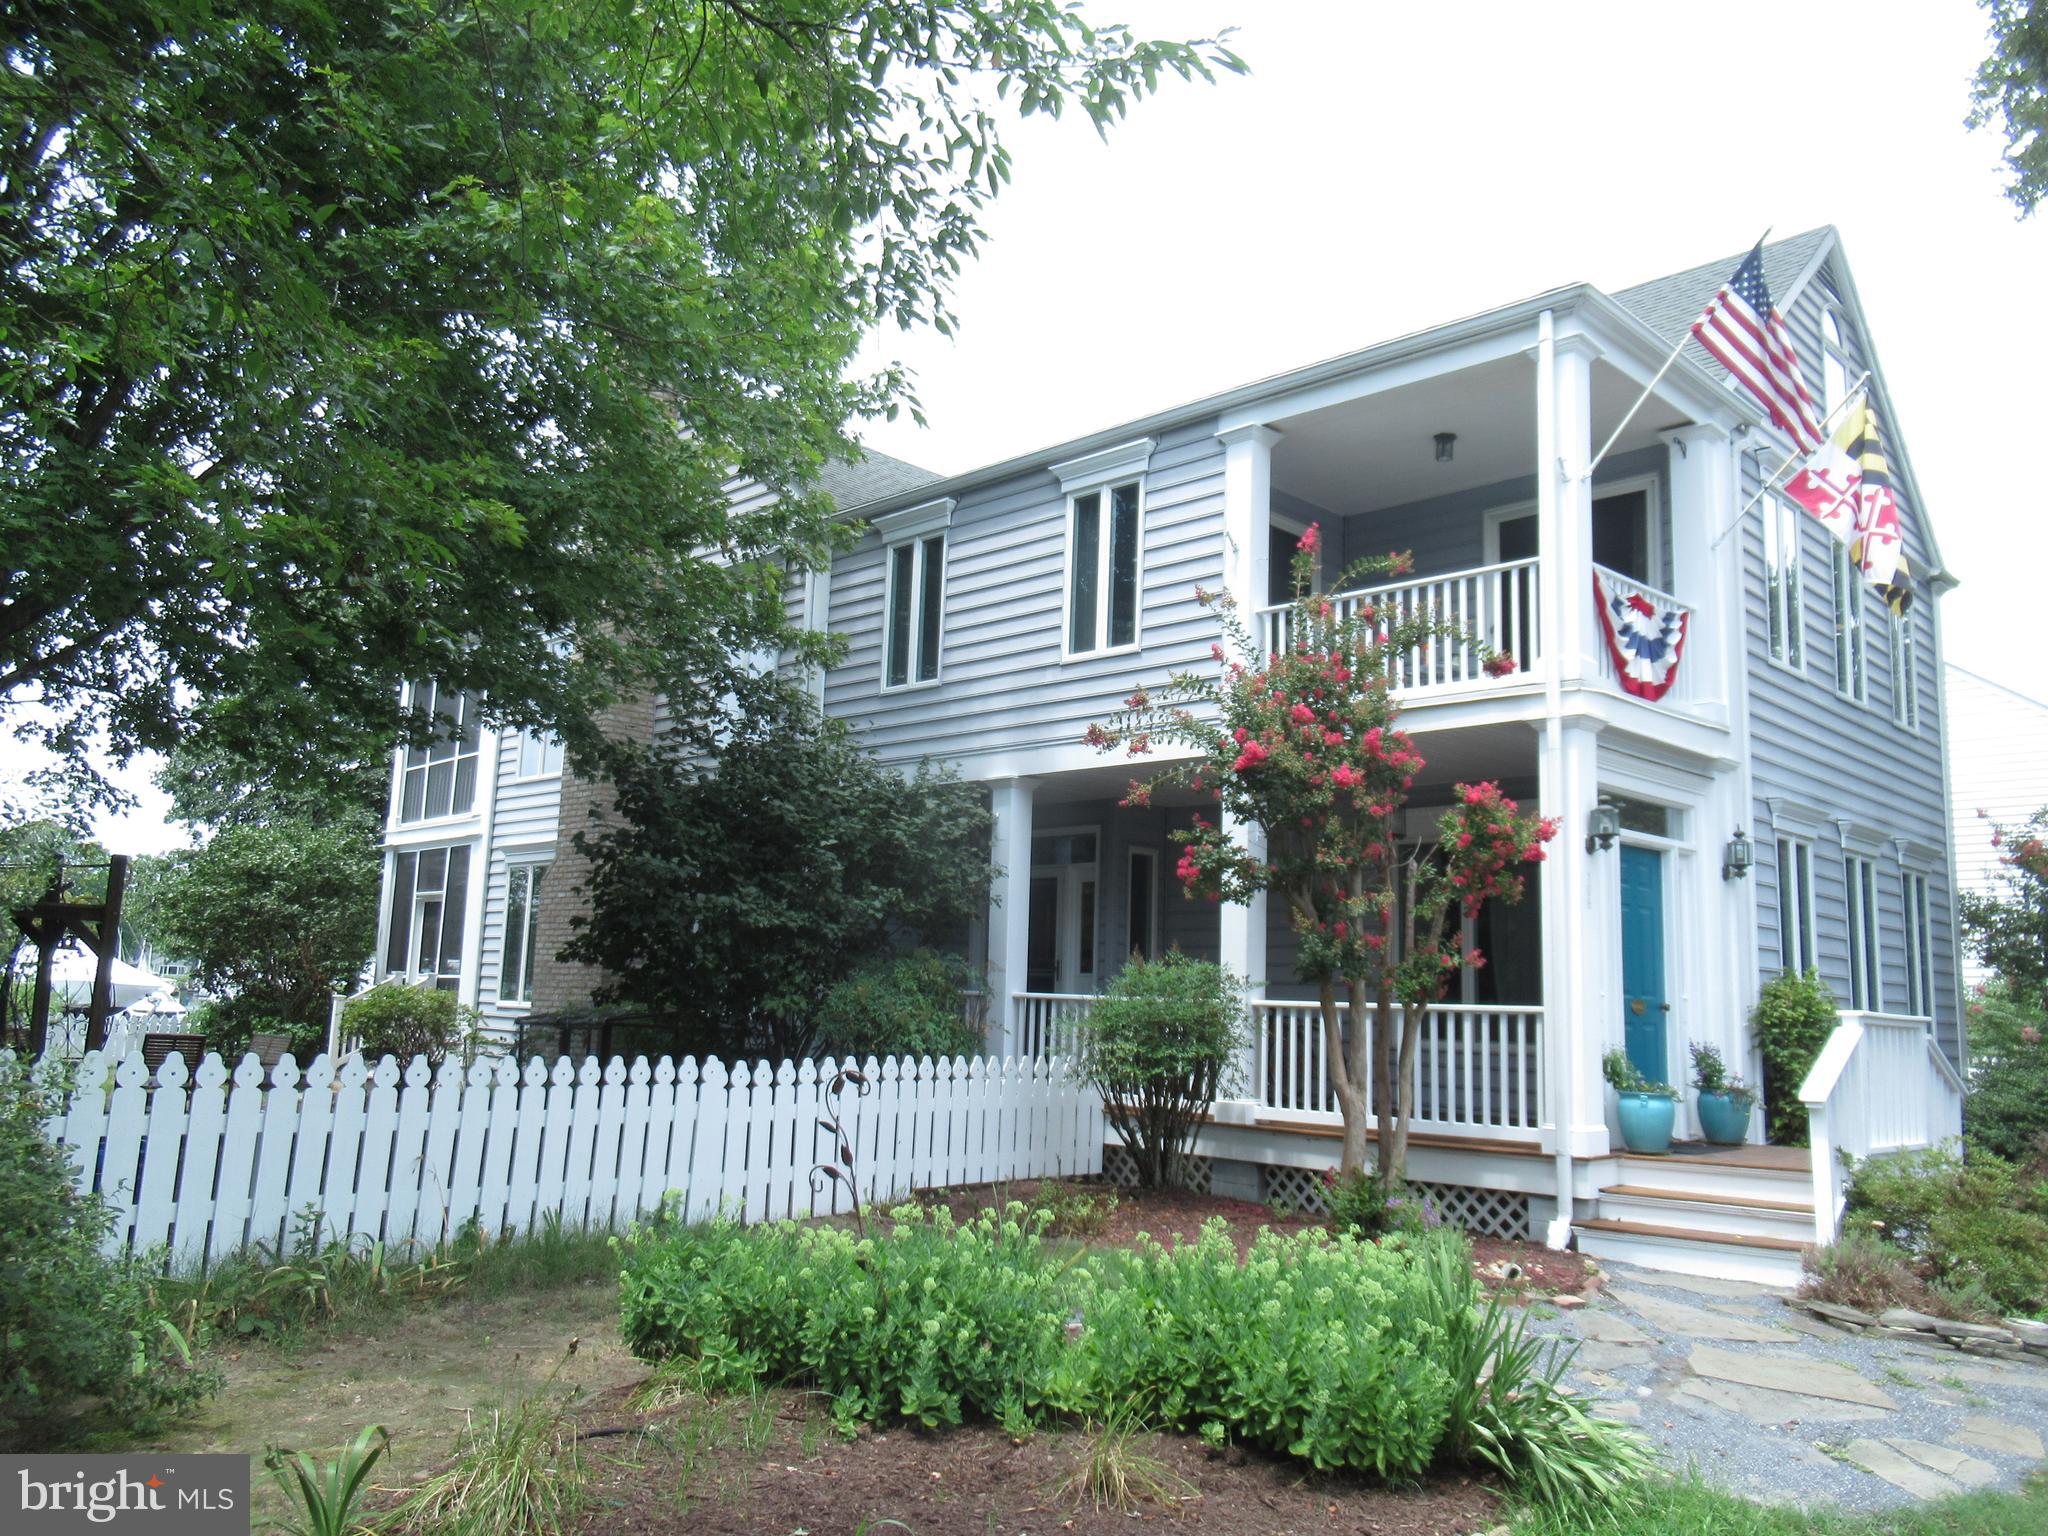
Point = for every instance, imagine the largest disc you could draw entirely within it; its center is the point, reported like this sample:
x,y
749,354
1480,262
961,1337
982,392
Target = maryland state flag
x,y
1847,486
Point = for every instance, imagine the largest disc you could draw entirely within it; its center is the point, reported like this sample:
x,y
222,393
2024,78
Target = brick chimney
x,y
561,984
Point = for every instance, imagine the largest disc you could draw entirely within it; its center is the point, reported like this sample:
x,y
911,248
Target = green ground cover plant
x,y
1977,1228
1688,1507
1366,1357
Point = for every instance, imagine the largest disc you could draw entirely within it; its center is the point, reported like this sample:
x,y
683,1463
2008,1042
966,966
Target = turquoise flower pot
x,y
1724,1118
1646,1120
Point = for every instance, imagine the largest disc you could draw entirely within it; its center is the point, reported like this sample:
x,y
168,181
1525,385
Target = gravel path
x,y
1771,1404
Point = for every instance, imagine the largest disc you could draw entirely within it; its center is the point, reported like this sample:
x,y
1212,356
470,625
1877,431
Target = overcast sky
x,y
1389,167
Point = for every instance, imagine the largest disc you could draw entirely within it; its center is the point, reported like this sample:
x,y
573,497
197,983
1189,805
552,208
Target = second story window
x,y
439,776
1905,684
1102,569
1850,679
1783,604
540,755
1835,369
914,594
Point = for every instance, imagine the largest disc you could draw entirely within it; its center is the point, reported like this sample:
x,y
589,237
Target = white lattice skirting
x,y
1488,1212
1121,1169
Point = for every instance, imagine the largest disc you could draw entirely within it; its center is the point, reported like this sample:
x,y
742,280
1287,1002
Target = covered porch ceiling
x,y
1379,451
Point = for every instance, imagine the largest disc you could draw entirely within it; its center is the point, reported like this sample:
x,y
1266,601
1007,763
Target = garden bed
x,y
775,1466
1174,1215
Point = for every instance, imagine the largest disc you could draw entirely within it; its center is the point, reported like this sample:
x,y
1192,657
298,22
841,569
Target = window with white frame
x,y
522,931
1905,679
540,754
1142,904
1919,948
429,898
1866,991
1795,905
439,775
1851,681
1783,602
914,596
1102,574
1836,371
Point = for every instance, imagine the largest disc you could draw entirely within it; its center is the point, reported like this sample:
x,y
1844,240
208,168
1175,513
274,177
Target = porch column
x,y
1706,578
1578,923
1564,502
1247,514
1009,916
1241,938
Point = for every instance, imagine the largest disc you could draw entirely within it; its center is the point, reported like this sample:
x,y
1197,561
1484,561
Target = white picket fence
x,y
201,1165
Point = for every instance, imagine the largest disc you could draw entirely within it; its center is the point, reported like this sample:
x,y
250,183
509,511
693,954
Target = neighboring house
x,y
992,616
1998,766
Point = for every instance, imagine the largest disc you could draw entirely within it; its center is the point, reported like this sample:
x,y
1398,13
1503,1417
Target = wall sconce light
x,y
1740,854
1444,443
1603,825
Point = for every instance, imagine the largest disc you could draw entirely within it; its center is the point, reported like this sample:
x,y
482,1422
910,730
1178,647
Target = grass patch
x,y
1113,1473
1686,1507
516,1473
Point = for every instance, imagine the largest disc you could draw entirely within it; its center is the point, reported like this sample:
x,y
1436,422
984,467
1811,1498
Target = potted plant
x,y
1647,1109
1724,1102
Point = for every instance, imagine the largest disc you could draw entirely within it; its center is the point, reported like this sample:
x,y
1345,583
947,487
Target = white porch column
x,y
1241,939
1706,578
1564,502
1009,917
1247,513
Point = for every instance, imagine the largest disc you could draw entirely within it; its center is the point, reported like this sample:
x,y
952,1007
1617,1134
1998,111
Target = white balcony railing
x,y
1879,1084
1478,1070
1489,608
1047,1022
1624,588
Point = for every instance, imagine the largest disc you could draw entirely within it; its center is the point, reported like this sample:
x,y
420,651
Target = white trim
x,y
1105,492
914,522
1866,934
1067,973
1099,468
918,543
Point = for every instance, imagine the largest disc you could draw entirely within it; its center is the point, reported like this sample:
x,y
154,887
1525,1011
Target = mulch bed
x,y
1177,1215
974,1482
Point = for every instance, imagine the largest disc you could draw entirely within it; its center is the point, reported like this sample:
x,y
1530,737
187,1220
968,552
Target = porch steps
x,y
1739,1214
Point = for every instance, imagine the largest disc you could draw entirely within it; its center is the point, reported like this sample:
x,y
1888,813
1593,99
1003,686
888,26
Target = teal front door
x,y
1642,962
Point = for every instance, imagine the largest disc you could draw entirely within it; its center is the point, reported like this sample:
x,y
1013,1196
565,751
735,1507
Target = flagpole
x,y
1648,389
1826,422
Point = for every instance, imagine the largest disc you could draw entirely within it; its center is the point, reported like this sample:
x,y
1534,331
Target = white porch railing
x,y
1046,1022
1624,587
1879,1084
1493,605
1478,1070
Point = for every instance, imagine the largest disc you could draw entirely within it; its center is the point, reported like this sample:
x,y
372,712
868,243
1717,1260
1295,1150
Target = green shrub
x,y
2006,1113
230,1023
1793,1017
1976,1227
1362,1203
916,1005
73,1323
1357,1356
401,1020
1623,1076
1861,1269
1160,1045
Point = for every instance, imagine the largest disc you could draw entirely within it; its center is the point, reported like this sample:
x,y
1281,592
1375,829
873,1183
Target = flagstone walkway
x,y
1771,1404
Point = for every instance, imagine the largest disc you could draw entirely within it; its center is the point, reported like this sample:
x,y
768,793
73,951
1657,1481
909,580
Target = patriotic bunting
x,y
1644,638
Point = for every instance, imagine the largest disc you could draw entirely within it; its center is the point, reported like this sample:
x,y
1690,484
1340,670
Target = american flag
x,y
1743,328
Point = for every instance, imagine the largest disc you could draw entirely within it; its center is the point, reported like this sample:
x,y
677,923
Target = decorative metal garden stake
x,y
843,1170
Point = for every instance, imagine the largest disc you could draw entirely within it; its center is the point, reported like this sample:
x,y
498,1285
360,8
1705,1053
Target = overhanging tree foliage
x,y
2011,92
758,856
1306,744
344,343
2007,929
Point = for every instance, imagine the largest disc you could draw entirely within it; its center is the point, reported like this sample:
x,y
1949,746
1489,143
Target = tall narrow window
x,y
1835,369
1783,606
1142,926
1905,679
1850,679
913,606
1103,557
1919,949
1865,989
429,899
522,930
439,777
1795,905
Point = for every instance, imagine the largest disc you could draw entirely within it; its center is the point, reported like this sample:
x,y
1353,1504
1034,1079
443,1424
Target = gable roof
x,y
873,478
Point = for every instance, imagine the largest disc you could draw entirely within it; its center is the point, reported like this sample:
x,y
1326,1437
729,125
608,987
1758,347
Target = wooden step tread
x,y
1644,1192
1769,1159
1690,1235
1435,1139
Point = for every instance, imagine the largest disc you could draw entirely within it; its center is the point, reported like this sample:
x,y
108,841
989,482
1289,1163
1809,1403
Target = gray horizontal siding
x,y
524,821
1810,745
1002,685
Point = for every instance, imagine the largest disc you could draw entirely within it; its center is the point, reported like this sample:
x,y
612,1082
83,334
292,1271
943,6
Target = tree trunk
x,y
1345,1083
1390,1089
1394,1159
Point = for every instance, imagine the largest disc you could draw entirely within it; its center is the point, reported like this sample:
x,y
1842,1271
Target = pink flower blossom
x,y
1311,540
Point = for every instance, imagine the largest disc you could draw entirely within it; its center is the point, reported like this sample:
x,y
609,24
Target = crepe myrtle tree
x,y
1306,744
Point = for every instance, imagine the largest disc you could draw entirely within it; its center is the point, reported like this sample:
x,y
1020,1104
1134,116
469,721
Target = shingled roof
x,y
875,477
1669,305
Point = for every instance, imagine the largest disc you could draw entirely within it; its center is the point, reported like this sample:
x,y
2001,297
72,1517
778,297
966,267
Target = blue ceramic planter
x,y
1646,1120
1724,1119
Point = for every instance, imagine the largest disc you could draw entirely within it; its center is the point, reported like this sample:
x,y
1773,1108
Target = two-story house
x,y
1782,804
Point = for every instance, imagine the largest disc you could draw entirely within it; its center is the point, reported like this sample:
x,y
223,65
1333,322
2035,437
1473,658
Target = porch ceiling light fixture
x,y
1739,855
1603,825
1444,444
